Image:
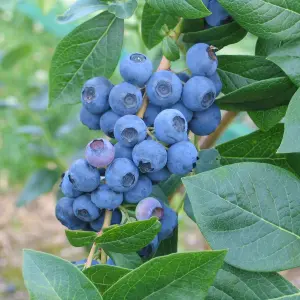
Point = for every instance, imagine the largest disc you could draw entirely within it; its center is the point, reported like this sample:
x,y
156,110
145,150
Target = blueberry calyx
x,y
179,124
137,57
145,167
97,145
211,50
130,100
89,94
130,134
163,88
128,180
208,99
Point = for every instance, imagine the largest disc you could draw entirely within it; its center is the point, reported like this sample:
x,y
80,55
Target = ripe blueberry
x,y
150,114
218,14
205,122
168,223
160,175
184,77
121,175
98,223
202,60
84,209
150,249
149,156
164,88
122,151
99,153
199,93
110,262
94,95
147,208
215,78
170,126
187,113
108,121
90,120
136,69
67,187
181,158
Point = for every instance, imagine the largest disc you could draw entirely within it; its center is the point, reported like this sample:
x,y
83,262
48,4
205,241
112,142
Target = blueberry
x,y
136,69
168,222
65,215
142,190
199,93
160,175
205,122
215,78
181,158
67,187
149,156
218,14
108,121
150,114
125,99
122,151
202,60
170,126
149,250
130,130
187,113
84,209
147,208
116,219
94,95
184,77
121,175
99,153
83,176
105,198
110,262
164,88
83,261
90,120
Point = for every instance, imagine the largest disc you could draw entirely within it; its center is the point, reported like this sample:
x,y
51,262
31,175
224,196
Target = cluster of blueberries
x,y
218,15
146,150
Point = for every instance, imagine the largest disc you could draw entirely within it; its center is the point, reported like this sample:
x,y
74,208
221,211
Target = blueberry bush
x,y
157,130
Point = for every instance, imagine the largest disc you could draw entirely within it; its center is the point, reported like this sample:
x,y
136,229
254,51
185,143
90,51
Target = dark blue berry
x,y
67,187
187,113
90,120
160,175
168,222
108,121
122,151
116,219
150,114
150,249
84,209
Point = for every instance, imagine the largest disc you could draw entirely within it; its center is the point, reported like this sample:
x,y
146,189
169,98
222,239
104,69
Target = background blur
x,y
37,144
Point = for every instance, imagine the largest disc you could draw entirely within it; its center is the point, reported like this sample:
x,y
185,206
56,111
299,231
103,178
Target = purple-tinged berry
x,y
147,208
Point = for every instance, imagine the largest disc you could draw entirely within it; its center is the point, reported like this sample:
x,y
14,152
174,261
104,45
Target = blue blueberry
x,y
67,187
95,93
122,151
150,114
168,222
125,99
110,262
90,120
215,78
199,93
184,77
83,262
136,69
83,176
187,113
99,153
182,158
142,190
206,122
105,198
98,223
170,126
218,14
84,209
108,121
149,250
149,207
65,214
130,130
164,88
149,156
202,60
160,175
121,175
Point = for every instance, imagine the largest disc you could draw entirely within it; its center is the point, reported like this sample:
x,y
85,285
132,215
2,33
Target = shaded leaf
x,y
80,238
169,245
265,47
123,9
170,49
126,260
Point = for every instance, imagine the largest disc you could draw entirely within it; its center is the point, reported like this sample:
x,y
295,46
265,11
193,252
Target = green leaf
x,y
158,193
188,9
12,57
252,210
170,49
170,186
188,208
169,245
269,19
126,260
291,137
209,159
258,286
267,119
40,182
50,277
153,22
92,49
130,237
80,238
104,276
287,58
82,8
123,9
266,47
219,36
176,276
192,25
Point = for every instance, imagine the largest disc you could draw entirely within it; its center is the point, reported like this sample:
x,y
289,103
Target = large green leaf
x,y
209,159
126,260
219,36
232,284
39,183
170,49
253,210
188,9
130,237
80,238
123,8
266,47
176,276
269,19
152,24
92,49
51,278
291,137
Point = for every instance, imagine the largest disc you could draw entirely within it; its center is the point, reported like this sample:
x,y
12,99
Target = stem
x,y
103,257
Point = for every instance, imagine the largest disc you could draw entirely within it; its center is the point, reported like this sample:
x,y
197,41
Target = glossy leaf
x,y
126,260
80,238
170,49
